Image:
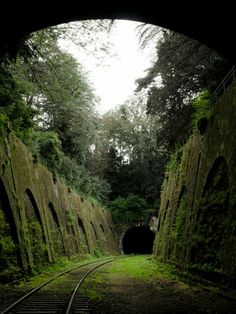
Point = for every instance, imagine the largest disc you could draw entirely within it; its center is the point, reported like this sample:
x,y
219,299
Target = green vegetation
x,y
140,267
49,103
184,68
136,267
178,228
9,269
209,236
118,159
203,111
37,243
62,264
174,160
130,209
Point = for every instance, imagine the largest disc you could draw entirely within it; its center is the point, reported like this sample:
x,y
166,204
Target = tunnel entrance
x,y
138,240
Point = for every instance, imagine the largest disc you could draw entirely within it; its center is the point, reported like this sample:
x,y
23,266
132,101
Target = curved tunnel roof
x,y
213,26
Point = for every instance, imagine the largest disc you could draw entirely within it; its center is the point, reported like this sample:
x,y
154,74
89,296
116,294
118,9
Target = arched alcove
x,y
56,231
209,234
35,235
83,236
138,240
94,232
32,211
9,248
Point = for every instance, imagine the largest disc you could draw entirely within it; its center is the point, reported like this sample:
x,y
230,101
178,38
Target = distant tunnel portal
x,y
138,240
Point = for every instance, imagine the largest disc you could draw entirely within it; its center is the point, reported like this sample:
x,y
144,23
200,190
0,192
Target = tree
x,y
134,163
184,68
52,87
131,209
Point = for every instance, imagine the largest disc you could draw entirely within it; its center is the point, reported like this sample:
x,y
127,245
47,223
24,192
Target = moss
x,y
37,243
201,234
203,112
9,268
178,228
40,239
174,160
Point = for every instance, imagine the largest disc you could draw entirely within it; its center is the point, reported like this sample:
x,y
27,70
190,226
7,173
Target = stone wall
x,y
42,219
197,216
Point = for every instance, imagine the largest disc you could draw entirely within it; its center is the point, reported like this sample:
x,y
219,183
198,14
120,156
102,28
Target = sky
x,y
114,78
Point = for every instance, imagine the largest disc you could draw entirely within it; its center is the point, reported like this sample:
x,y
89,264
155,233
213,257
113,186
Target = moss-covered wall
x,y
197,216
42,219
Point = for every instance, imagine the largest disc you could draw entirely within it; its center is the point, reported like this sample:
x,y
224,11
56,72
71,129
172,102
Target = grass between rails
x,y
142,267
141,284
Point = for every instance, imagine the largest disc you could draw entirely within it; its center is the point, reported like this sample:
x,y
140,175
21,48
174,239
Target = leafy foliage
x,y
12,105
48,100
203,111
182,69
51,109
132,160
130,209
8,266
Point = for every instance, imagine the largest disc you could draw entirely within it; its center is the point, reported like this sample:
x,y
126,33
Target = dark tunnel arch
x,y
138,240
186,20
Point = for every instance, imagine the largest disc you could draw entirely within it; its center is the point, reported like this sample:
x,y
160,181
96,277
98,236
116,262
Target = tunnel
x,y
185,21
138,240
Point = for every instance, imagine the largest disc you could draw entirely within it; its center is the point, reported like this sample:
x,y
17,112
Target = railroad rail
x,y
50,303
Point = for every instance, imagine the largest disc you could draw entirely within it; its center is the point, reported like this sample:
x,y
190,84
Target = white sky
x,y
114,79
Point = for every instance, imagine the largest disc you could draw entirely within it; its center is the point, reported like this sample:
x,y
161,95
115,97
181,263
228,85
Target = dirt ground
x,y
123,295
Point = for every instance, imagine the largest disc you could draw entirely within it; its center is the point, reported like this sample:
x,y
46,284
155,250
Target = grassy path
x,y
141,285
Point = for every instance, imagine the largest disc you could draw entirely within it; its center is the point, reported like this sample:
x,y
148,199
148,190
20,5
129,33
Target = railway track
x,y
58,297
